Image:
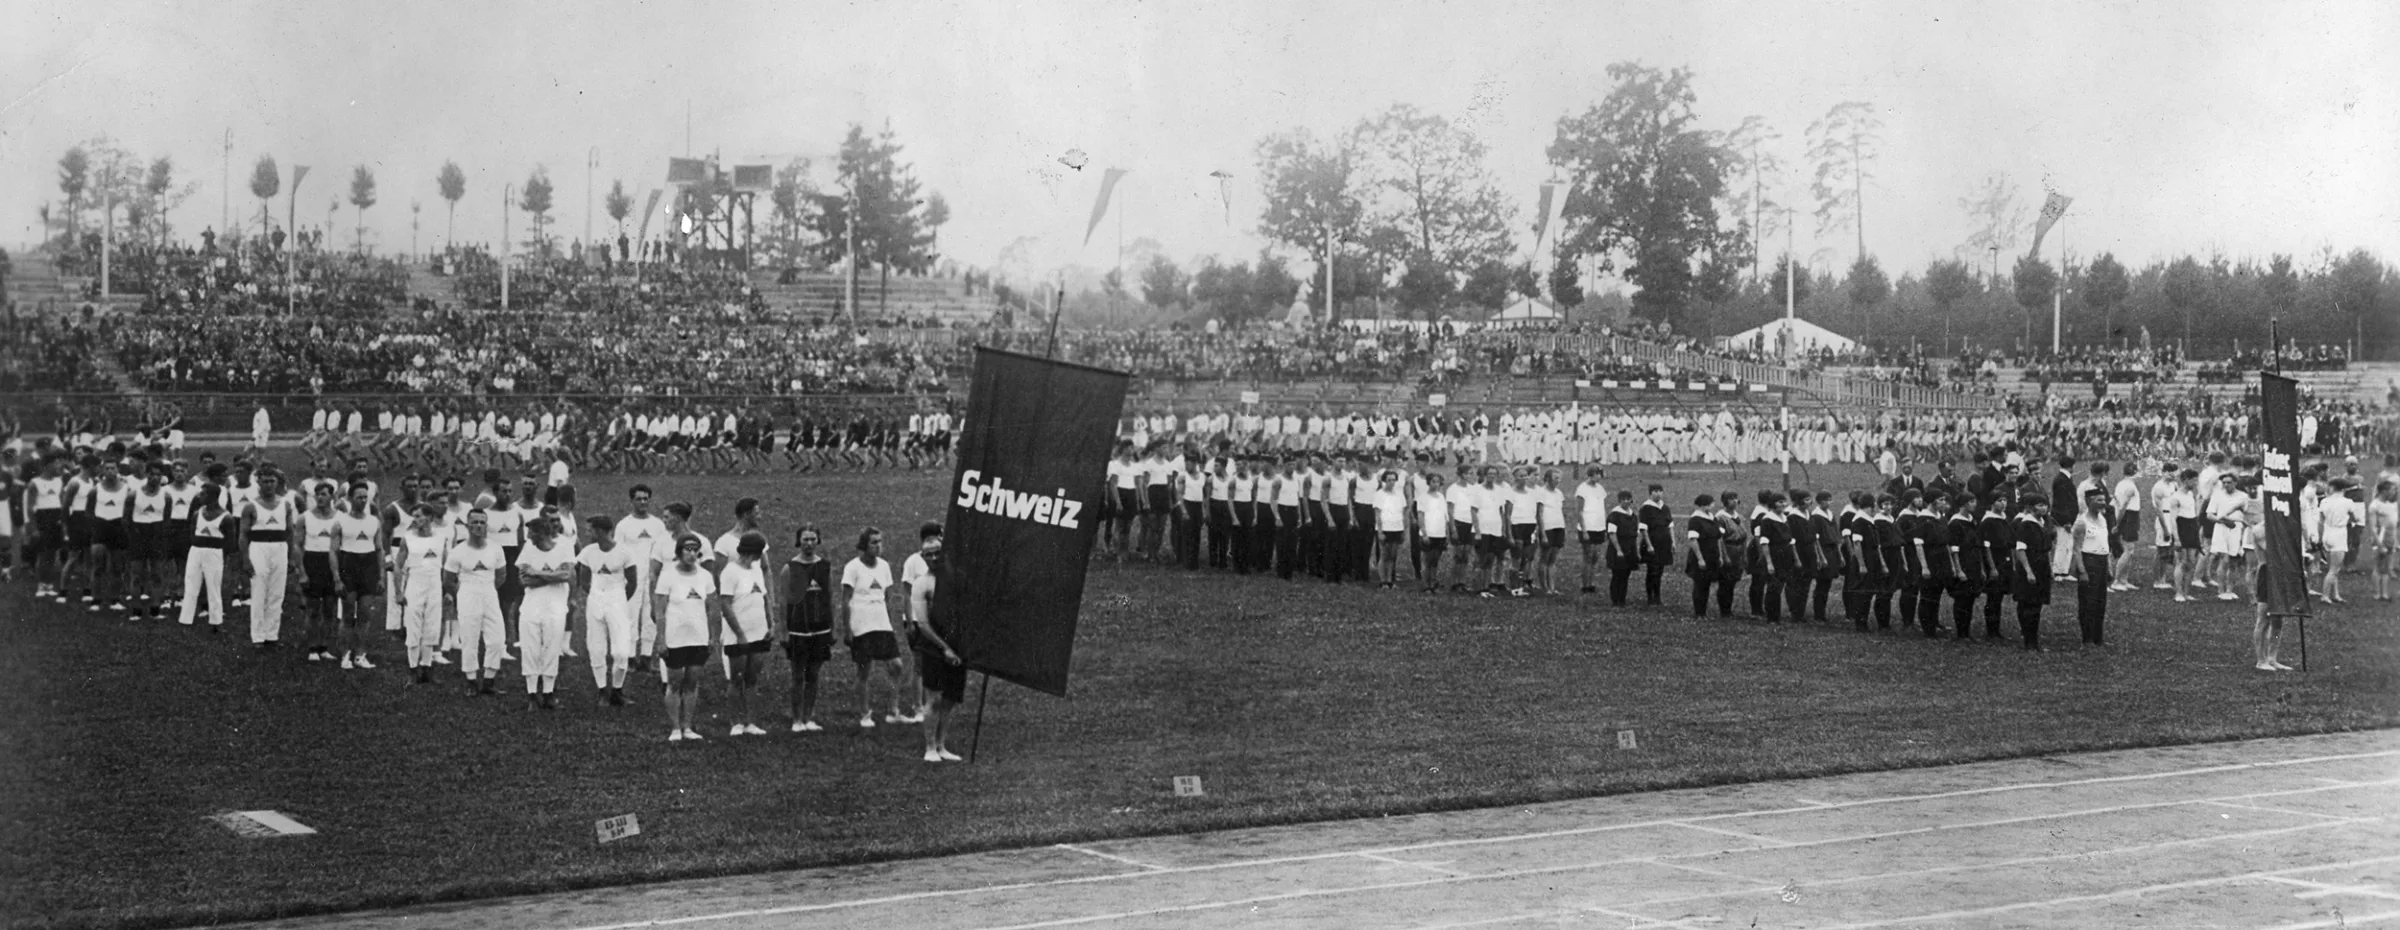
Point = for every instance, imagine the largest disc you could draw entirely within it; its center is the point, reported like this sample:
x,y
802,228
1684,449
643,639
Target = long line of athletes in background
x,y
1499,531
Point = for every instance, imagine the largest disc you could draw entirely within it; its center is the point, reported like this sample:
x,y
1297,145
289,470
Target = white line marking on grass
x,y
1580,831
2321,889
1496,921
2104,896
1433,867
1767,841
1716,873
2277,810
1812,803
1112,857
2341,921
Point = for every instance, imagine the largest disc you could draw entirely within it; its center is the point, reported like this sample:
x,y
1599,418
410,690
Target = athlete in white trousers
x,y
418,565
605,567
204,565
548,572
267,526
474,567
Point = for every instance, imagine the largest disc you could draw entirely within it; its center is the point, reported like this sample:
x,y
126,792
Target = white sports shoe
x,y
932,756
675,736
866,721
345,660
691,734
948,756
363,663
799,726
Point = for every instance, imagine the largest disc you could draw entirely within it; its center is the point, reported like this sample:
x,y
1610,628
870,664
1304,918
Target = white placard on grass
x,y
1249,397
1625,740
262,824
619,827
1437,400
1187,786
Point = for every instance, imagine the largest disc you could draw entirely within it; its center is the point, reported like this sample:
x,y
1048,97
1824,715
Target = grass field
x,y
1293,702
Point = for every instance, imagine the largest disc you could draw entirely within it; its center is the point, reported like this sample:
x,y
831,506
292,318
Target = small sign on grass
x,y
613,829
1187,786
1625,740
261,824
1249,397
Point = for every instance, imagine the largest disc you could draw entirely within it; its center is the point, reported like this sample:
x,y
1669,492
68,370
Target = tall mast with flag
x,y
2054,208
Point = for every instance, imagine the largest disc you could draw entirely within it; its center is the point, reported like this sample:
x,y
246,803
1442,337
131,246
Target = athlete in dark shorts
x,y
944,675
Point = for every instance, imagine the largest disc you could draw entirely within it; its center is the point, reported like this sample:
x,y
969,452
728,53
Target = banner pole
x,y
984,696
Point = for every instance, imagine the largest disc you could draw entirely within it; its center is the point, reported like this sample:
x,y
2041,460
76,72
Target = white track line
x,y
1767,842
1680,899
1549,834
1112,857
2340,921
1427,866
2089,898
2277,810
2322,890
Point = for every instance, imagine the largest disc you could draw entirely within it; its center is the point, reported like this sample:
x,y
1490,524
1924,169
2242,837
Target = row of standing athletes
x,y
627,441
1910,549
478,577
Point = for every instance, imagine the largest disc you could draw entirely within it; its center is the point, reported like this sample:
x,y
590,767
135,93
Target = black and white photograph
x,y
1825,464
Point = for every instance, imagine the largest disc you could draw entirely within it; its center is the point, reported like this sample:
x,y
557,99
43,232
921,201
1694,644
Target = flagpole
x,y
2058,294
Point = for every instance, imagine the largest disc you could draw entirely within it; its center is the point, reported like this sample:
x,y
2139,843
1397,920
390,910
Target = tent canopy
x,y
1803,336
1527,309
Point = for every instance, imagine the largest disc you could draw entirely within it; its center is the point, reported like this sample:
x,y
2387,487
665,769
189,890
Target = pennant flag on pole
x,y
298,172
1541,223
649,210
1108,186
2053,207
1224,192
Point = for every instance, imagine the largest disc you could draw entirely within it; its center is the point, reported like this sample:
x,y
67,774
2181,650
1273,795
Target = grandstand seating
x,y
820,295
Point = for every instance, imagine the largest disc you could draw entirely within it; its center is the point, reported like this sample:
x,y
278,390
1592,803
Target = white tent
x,y
1803,336
1527,310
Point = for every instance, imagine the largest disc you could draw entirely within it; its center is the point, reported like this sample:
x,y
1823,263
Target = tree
x,y
1801,283
1487,286
1163,284
159,195
1423,182
1113,284
2105,286
937,215
1645,184
453,185
362,196
74,178
1842,144
1947,282
2184,284
620,204
1225,290
791,201
2035,281
1425,288
1998,216
2280,284
1566,281
1867,283
266,181
534,198
1272,287
1311,196
2357,286
1750,154
879,211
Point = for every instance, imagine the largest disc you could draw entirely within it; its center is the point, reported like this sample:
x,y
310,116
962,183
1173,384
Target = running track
x,y
2299,832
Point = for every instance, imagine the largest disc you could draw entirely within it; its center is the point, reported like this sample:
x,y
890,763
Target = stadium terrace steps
x,y
820,294
32,279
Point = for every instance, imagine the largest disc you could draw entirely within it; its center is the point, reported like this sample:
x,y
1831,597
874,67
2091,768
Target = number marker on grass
x,y
619,827
1187,786
1625,740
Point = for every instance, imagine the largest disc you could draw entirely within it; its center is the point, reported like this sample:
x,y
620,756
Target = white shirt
x,y
686,620
551,596
2128,498
424,556
1552,502
608,567
745,587
477,569
1593,499
868,611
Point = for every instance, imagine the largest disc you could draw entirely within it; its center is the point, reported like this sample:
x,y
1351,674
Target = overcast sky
x,y
2241,127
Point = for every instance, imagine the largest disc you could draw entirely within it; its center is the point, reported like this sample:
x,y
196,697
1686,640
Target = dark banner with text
x,y
2282,584
1025,509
